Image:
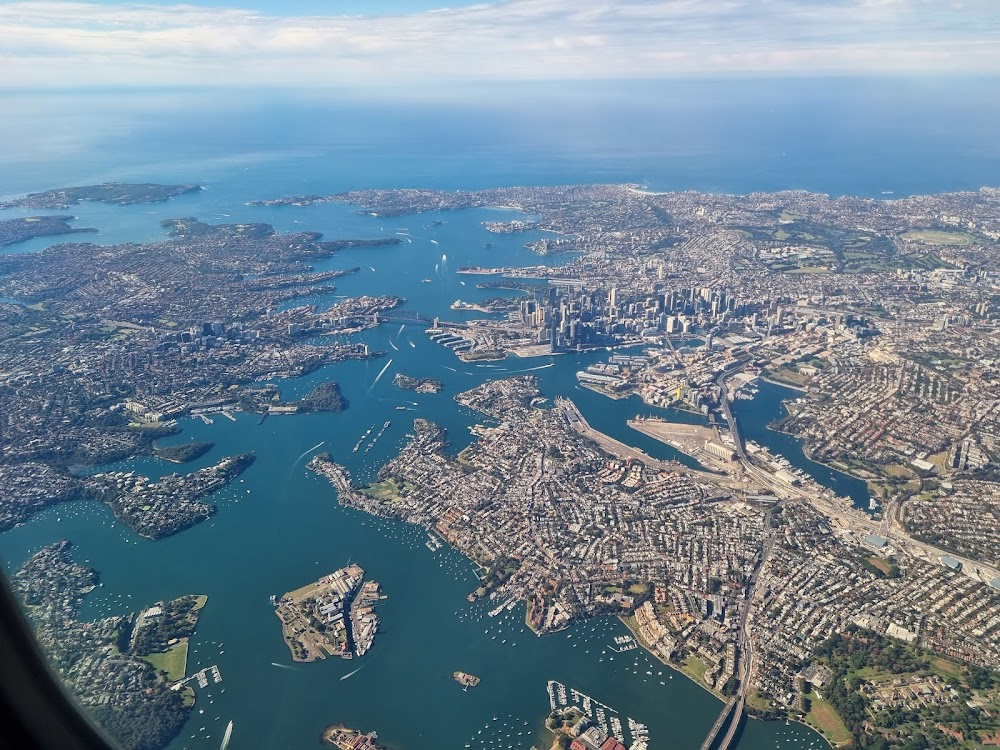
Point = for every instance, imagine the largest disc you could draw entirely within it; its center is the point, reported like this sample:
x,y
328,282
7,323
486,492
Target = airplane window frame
x,y
36,711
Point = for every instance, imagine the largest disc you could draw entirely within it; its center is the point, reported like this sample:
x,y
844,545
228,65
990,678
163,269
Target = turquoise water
x,y
279,527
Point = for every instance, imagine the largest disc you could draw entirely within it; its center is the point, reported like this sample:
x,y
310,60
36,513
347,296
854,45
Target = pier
x,y
201,677
608,718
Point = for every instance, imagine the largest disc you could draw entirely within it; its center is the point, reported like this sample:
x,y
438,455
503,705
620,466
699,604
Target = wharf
x,y
201,677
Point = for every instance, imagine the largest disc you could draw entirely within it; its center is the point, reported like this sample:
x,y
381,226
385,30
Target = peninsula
x,y
118,193
184,452
324,397
160,509
691,551
151,509
13,231
124,668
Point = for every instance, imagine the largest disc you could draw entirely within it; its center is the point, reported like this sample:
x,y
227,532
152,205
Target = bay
x,y
280,526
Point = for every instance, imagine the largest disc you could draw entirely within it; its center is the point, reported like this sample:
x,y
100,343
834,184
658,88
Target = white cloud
x,y
44,43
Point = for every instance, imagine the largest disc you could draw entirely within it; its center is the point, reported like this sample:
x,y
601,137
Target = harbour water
x,y
754,417
279,527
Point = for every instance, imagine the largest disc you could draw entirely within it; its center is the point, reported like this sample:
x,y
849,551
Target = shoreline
x,y
803,445
722,699
573,621
645,646
808,455
782,384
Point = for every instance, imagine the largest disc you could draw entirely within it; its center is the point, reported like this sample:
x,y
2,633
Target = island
x,y
780,526
124,669
118,193
418,385
881,313
345,738
466,679
13,231
266,400
183,453
334,616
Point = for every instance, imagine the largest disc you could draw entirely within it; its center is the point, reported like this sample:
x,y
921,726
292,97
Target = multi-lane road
x,y
846,516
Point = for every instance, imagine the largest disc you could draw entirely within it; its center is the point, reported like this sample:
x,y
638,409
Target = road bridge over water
x,y
405,317
713,734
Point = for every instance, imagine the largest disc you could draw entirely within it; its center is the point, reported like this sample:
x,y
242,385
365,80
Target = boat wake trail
x,y
351,674
379,376
283,666
394,346
531,369
304,454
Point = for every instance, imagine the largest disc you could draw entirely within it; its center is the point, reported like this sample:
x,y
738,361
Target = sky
x,y
362,43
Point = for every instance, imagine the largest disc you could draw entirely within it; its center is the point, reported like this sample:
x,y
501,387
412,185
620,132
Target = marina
x,y
361,440
201,678
634,734
624,643
378,435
